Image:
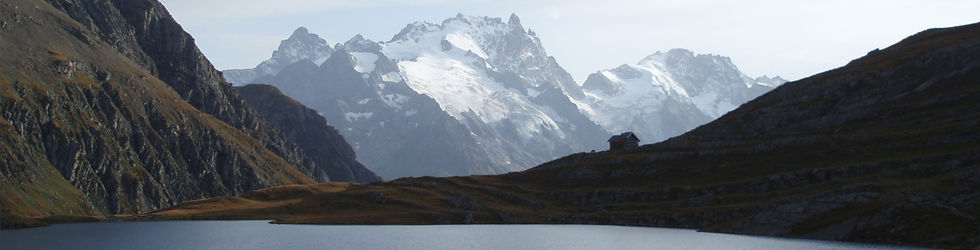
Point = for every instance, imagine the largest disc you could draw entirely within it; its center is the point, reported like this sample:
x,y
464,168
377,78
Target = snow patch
x,y
464,42
392,77
533,93
351,116
706,103
365,61
318,61
395,100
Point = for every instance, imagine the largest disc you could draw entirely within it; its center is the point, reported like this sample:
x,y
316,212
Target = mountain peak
x,y
514,20
301,31
657,58
301,45
359,44
302,35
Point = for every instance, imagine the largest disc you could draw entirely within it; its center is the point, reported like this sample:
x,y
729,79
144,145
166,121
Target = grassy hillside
x,y
86,131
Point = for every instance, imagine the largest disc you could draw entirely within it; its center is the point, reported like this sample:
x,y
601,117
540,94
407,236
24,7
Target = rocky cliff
x,y
108,107
146,33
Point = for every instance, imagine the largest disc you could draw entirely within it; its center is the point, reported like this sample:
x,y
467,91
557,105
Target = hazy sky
x,y
792,39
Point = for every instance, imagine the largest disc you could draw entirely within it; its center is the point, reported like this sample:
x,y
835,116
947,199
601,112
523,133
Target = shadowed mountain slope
x,y
311,132
108,107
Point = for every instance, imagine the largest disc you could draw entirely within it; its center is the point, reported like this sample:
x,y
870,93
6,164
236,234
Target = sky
x,y
789,38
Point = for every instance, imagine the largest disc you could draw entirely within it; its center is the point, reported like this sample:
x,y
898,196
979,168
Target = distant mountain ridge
x,y
517,106
667,94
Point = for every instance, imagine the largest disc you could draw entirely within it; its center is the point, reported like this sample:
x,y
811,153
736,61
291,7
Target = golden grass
x,y
56,56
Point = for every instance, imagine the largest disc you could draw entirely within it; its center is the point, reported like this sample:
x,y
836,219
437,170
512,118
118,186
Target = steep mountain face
x,y
108,107
298,47
501,103
311,132
667,94
497,79
885,149
146,33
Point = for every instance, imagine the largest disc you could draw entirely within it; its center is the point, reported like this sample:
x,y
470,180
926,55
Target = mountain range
x,y
885,149
108,108
491,99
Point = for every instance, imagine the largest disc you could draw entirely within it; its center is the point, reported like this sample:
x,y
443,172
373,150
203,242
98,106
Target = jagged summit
x,y
301,45
360,44
516,22
301,31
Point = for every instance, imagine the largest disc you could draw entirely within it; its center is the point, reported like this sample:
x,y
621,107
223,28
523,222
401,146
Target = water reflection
x,y
261,235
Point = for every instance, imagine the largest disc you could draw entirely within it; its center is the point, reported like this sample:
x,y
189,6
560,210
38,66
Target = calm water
x,y
262,235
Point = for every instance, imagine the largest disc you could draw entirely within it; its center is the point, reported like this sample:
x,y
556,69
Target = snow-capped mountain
x,y
497,79
477,95
667,94
396,131
301,45
472,95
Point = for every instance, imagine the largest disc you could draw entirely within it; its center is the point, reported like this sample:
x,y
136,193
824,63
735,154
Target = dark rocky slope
x,y
146,33
108,107
885,149
311,132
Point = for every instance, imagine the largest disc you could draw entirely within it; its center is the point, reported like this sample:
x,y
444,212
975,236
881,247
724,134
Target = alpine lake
x,y
263,235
